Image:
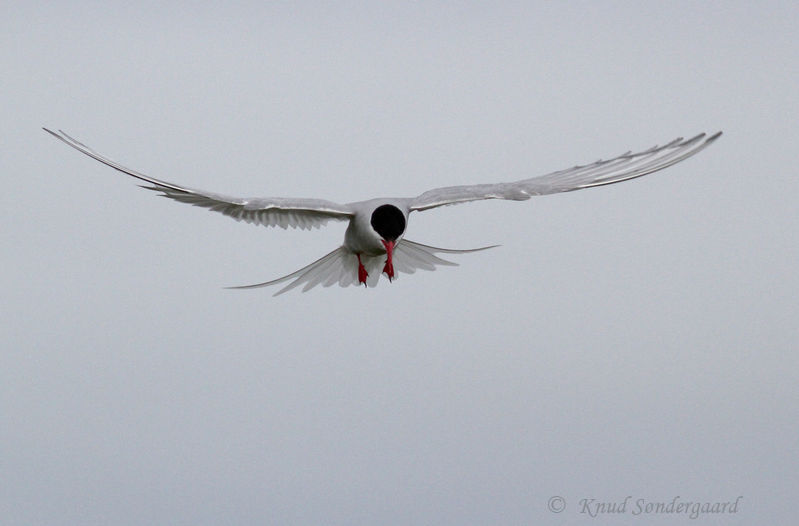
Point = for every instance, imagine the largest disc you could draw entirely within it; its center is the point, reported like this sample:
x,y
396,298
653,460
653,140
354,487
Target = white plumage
x,y
377,226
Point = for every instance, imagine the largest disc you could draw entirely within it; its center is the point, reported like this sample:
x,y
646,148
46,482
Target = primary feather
x,y
268,211
622,168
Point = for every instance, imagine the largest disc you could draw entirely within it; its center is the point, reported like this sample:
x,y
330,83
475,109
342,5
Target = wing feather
x,y
267,211
621,168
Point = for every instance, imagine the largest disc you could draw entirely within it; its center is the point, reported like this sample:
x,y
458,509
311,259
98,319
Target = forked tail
x,y
410,256
341,266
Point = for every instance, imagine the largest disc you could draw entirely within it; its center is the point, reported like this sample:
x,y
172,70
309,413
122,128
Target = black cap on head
x,y
388,221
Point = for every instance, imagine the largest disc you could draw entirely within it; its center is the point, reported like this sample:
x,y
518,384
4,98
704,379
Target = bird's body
x,y
375,235
369,218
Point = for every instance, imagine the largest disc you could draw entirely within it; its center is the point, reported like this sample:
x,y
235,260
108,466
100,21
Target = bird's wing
x,y
626,166
268,211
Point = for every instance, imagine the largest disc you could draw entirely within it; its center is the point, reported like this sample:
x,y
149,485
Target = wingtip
x,y
693,140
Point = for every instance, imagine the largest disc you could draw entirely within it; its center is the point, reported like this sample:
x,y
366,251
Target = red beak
x,y
389,266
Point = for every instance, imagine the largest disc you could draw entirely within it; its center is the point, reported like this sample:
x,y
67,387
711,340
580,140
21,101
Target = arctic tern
x,y
377,226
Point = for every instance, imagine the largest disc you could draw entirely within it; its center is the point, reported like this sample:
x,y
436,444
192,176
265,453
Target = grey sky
x,y
637,339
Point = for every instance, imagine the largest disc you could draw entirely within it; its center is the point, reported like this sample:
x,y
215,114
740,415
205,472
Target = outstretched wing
x,y
268,211
626,166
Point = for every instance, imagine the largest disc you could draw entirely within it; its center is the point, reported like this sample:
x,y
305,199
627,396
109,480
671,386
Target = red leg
x,y
362,274
389,266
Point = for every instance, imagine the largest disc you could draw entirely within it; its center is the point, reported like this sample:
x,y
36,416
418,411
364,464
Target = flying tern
x,y
377,226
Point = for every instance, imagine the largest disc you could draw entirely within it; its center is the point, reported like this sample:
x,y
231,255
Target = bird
x,y
377,227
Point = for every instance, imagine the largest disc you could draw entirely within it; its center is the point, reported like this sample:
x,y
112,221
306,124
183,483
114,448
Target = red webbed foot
x,y
388,269
362,274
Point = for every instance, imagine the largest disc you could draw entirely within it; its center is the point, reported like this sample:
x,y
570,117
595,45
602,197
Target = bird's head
x,y
389,223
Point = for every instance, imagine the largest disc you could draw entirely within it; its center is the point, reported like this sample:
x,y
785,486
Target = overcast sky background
x,y
637,339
